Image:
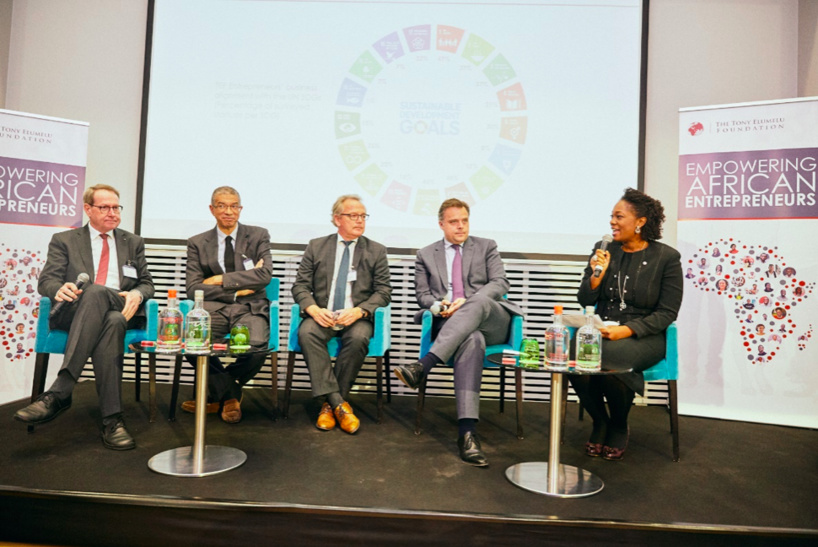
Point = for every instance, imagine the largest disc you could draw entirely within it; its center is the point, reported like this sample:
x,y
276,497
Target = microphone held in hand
x,y
82,279
602,247
437,308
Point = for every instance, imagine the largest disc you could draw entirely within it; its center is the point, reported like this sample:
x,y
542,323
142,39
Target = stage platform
x,y
736,483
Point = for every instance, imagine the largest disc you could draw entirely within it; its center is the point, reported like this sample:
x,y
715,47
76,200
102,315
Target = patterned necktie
x,y
341,280
457,275
229,256
102,270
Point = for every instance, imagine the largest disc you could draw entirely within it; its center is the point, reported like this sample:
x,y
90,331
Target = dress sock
x,y
465,425
429,361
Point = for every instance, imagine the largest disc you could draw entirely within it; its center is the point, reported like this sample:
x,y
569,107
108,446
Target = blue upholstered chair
x,y
53,341
515,338
668,370
379,346
272,290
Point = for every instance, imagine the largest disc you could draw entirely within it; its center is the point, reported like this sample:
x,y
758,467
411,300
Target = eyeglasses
x,y
105,209
221,207
355,217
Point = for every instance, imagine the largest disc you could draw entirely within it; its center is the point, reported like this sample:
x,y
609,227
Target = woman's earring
x,y
638,230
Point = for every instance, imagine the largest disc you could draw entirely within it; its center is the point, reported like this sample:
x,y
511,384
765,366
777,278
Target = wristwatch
x,y
364,313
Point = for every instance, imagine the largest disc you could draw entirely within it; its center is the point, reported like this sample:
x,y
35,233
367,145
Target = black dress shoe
x,y
44,409
116,437
411,375
470,451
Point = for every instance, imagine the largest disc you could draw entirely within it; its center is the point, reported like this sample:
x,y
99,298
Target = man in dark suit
x,y
232,265
464,277
342,279
97,316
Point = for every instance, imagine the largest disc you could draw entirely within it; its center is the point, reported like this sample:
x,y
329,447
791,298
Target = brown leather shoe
x,y
349,422
190,406
326,420
231,412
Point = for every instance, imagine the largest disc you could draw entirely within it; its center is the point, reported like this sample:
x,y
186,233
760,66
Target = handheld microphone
x,y
438,307
82,279
603,247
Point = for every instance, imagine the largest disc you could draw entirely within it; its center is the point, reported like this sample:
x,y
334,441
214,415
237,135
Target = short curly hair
x,y
645,206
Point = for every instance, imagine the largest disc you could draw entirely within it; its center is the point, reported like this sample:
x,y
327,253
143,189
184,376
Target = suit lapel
x,y
241,248
86,254
122,253
212,252
440,263
360,249
329,253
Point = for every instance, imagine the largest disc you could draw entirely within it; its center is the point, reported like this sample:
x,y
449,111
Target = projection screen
x,y
528,111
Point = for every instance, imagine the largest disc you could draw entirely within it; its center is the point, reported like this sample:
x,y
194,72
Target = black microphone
x,y
603,247
82,279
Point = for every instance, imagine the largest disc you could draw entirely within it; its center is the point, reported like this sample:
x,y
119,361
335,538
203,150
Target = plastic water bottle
x,y
557,342
197,334
170,326
589,343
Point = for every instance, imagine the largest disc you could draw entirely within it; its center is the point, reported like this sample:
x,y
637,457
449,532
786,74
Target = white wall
x,y
704,52
807,48
82,60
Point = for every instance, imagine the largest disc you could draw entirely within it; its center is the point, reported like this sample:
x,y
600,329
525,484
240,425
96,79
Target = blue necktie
x,y
341,280
457,275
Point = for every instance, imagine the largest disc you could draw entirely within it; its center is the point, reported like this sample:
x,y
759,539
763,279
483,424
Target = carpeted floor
x,y
731,474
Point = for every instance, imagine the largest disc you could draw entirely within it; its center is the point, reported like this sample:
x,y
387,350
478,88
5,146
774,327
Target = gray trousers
x,y
96,329
226,382
463,337
325,378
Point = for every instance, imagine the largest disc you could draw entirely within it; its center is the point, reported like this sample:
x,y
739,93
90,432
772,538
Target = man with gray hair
x,y
232,265
342,279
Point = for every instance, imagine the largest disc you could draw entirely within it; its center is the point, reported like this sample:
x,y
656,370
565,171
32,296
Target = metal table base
x,y
571,482
553,478
198,460
179,462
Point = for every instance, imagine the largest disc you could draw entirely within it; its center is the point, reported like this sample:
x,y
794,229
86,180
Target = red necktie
x,y
102,271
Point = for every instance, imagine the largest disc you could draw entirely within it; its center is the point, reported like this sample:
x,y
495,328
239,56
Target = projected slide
x,y
527,111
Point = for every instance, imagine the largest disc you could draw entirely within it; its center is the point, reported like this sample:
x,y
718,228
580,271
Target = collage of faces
x,y
19,301
766,291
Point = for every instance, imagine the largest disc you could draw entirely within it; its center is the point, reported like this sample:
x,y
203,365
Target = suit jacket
x,y
653,292
251,242
370,290
69,254
483,273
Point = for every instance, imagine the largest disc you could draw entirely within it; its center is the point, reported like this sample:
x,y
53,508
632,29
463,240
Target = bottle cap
x,y
171,293
557,310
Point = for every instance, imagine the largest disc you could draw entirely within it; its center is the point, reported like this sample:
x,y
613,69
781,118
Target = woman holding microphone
x,y
640,288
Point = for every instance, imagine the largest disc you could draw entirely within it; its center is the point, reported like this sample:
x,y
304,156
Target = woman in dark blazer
x,y
640,288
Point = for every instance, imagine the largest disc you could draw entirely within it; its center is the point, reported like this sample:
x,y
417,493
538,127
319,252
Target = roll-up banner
x,y
42,178
748,233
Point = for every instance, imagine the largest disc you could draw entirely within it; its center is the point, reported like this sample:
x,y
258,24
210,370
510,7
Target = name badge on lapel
x,y
353,276
248,263
128,270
